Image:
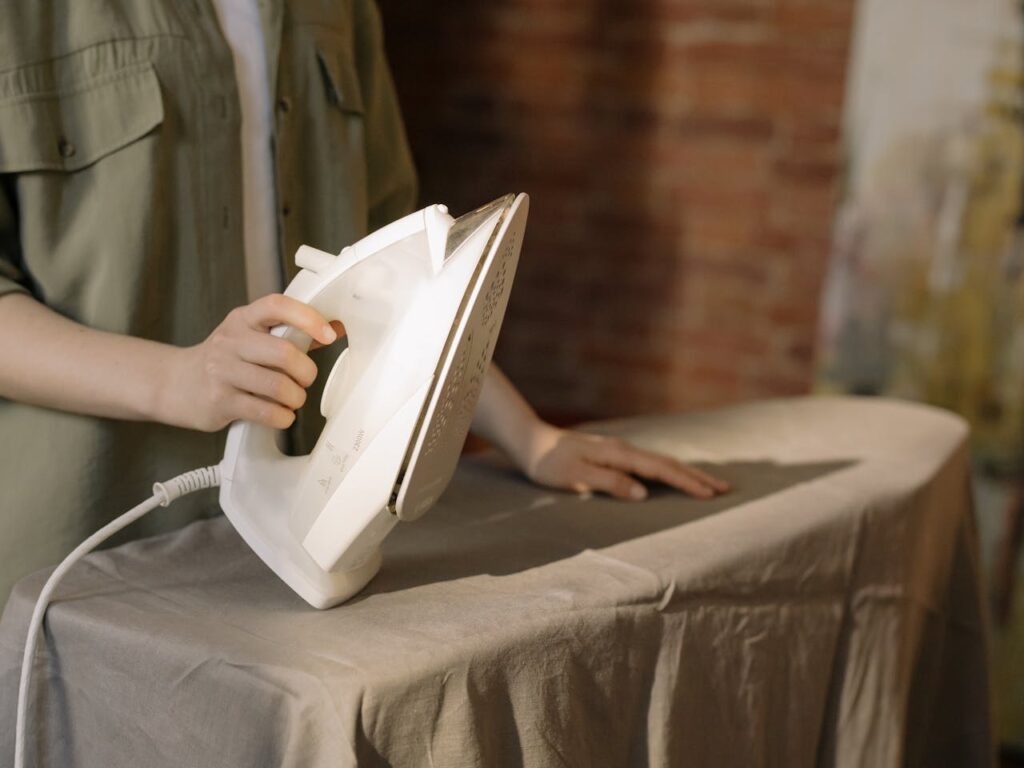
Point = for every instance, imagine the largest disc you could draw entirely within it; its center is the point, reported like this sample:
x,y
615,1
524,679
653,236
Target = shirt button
x,y
284,104
285,209
66,148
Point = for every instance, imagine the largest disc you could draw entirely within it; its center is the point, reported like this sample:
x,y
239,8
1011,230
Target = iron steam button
x,y
313,259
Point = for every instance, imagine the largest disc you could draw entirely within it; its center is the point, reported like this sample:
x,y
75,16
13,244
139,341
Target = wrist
x,y
163,400
532,441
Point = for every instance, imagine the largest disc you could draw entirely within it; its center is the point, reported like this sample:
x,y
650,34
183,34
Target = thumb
x,y
339,328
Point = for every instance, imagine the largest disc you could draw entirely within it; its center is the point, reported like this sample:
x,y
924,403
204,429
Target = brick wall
x,y
681,157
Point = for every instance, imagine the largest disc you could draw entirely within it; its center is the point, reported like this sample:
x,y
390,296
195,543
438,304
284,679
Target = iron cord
x,y
163,494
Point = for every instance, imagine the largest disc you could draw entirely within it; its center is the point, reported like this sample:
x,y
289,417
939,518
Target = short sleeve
x,y
12,276
390,171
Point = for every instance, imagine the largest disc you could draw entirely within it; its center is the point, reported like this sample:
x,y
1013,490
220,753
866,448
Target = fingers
x,y
278,309
339,328
717,483
273,352
623,456
618,484
251,408
242,372
272,385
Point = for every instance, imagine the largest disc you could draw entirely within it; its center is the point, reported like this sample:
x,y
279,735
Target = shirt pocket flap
x,y
341,78
65,130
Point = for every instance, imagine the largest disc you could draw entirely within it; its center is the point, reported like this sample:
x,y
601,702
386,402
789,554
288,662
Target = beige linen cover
x,y
824,613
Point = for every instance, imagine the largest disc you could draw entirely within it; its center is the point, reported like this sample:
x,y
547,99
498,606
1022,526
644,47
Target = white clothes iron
x,y
422,301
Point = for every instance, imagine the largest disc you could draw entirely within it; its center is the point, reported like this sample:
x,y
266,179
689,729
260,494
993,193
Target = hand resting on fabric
x,y
582,462
573,460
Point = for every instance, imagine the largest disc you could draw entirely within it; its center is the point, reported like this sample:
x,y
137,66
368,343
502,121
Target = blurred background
x,y
737,199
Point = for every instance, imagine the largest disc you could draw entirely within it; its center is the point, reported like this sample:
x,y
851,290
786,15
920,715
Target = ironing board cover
x,y
824,613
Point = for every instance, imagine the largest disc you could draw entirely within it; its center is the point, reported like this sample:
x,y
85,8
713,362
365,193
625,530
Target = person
x,y
160,161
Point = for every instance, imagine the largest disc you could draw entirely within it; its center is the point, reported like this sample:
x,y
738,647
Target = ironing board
x,y
826,612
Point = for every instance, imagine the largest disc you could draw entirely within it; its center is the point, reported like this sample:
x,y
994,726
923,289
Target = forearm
x,y
51,361
504,418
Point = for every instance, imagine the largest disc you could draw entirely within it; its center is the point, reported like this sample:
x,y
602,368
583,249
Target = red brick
x,y
682,157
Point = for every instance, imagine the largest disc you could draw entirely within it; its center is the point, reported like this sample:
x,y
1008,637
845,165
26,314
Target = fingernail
x,y
327,334
638,492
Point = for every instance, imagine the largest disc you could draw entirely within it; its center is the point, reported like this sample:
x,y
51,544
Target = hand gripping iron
x,y
422,301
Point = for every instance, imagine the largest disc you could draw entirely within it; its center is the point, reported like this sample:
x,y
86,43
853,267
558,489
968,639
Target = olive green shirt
x,y
121,208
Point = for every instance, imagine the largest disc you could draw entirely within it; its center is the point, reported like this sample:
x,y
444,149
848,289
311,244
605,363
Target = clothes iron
x,y
422,301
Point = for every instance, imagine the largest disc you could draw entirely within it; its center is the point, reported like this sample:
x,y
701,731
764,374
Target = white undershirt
x,y
240,23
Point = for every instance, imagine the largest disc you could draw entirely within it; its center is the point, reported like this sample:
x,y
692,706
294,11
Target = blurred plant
x,y
926,295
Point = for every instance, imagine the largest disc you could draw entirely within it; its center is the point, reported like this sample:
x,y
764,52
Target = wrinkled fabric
x,y
121,209
826,612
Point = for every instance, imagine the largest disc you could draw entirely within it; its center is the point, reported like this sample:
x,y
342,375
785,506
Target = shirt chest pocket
x,y
79,145
321,140
338,69
72,127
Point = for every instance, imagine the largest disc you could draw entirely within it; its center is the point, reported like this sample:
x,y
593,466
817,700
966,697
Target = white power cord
x,y
163,494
